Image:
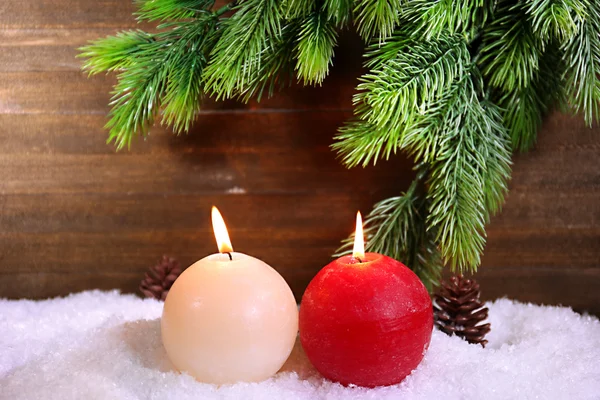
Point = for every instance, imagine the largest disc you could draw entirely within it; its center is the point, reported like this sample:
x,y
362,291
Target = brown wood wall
x,y
75,215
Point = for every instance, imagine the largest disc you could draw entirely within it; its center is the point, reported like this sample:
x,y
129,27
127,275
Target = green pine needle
x,y
523,108
162,10
468,177
316,41
511,50
436,17
298,9
339,11
166,70
114,53
582,58
237,58
408,78
377,18
555,18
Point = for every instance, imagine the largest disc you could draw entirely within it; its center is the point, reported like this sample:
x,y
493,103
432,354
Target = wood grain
x,y
75,215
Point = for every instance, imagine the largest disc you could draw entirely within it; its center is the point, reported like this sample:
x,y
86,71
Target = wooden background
x,y
75,215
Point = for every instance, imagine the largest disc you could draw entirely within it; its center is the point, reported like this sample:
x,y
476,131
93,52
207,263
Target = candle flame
x,y
359,240
223,242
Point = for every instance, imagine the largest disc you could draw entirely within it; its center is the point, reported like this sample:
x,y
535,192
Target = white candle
x,y
229,317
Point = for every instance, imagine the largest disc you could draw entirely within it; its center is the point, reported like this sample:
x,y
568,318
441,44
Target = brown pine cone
x,y
458,310
160,278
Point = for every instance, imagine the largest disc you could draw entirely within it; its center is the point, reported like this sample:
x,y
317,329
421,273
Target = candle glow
x,y
359,241
221,234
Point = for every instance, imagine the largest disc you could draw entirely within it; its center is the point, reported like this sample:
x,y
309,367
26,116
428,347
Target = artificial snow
x,y
103,345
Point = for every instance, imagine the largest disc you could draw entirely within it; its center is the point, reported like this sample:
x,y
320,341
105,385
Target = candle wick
x,y
359,260
230,256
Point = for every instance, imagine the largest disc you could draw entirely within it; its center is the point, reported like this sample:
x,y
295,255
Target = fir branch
x,y
514,60
183,93
397,228
407,78
338,11
276,69
555,18
433,18
377,18
523,108
316,41
237,57
298,9
114,53
510,54
162,10
468,177
582,58
166,69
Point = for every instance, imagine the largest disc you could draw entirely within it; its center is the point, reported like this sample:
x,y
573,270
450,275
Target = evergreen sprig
x,y
317,39
454,86
582,58
237,57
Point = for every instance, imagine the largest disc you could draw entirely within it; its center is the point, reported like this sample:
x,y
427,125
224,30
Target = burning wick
x,y
358,251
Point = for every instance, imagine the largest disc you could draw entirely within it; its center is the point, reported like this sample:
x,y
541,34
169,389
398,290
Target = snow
x,y
104,345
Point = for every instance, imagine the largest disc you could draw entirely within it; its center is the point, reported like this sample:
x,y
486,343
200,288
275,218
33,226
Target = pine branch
x,y
397,228
237,57
582,58
510,54
407,77
316,41
162,10
523,108
299,9
276,69
468,177
339,11
433,18
163,68
555,18
377,18
114,53
512,61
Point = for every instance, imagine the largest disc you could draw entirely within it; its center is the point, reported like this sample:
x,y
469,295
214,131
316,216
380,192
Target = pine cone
x,y
458,310
160,278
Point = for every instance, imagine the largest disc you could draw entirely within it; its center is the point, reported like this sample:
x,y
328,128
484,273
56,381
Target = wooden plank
x,y
71,92
275,172
564,132
67,252
576,288
212,133
51,284
541,246
35,50
69,13
56,264
547,208
96,213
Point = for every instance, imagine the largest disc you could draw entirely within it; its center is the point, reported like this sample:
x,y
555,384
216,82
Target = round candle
x,y
365,319
229,317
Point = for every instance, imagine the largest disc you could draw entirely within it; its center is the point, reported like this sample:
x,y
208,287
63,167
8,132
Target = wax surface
x,y
229,321
367,324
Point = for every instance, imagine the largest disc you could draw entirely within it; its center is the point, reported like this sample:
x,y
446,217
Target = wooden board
x,y
75,215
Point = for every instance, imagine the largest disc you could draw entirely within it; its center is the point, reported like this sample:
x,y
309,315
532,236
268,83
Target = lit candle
x,y
229,317
365,319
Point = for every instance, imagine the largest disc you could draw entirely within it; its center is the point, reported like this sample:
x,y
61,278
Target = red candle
x,y
365,319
